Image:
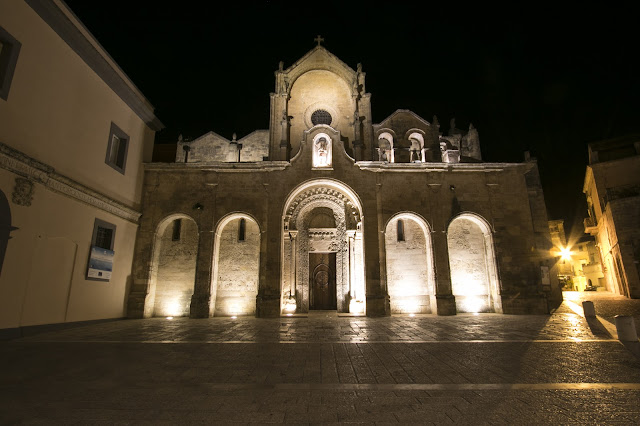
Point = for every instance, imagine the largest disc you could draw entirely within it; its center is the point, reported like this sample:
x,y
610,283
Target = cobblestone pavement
x,y
465,369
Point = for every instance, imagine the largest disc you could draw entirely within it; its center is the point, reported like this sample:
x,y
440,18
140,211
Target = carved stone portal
x,y
300,240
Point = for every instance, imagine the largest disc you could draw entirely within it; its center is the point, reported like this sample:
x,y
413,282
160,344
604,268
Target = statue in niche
x,y
415,151
322,152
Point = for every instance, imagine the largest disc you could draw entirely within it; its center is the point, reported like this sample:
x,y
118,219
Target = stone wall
x,y
213,147
469,273
407,268
176,269
238,269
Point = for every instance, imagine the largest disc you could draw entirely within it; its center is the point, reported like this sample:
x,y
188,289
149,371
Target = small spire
x,y
318,39
233,138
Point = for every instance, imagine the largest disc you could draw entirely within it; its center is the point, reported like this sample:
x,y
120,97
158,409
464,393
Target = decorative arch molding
x,y
333,65
345,240
410,266
474,274
243,301
161,301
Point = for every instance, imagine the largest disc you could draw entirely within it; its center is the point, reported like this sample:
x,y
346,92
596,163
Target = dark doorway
x,y
322,277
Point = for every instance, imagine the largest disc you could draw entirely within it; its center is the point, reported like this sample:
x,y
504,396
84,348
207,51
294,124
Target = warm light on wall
x,y
356,307
474,304
289,305
173,308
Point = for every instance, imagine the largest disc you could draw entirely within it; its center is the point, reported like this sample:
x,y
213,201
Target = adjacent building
x,y
612,188
74,132
327,210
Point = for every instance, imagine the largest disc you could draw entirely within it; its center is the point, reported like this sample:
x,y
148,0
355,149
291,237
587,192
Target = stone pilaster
x,y
446,303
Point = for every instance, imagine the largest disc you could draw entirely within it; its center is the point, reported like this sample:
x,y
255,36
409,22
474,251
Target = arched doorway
x,y
410,273
474,278
236,266
322,249
173,268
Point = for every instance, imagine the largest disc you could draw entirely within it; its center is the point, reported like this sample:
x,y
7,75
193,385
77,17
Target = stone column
x,y
205,218
269,297
445,300
375,258
293,265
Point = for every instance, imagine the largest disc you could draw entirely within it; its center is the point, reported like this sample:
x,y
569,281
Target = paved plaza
x,y
324,368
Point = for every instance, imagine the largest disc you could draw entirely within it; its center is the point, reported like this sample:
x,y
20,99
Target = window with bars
x,y
103,234
321,117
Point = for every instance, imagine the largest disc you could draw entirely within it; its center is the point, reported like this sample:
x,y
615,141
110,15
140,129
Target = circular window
x,y
321,116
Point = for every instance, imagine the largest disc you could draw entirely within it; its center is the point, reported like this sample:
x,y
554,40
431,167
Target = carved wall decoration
x,y
298,217
22,192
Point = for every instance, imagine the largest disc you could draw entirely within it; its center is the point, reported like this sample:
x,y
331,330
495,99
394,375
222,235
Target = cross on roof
x,y
318,39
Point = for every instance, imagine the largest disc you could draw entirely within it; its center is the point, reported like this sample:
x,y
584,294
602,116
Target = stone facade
x,y
324,197
612,188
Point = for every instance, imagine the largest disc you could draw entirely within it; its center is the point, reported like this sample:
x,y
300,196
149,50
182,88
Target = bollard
x,y
626,328
588,308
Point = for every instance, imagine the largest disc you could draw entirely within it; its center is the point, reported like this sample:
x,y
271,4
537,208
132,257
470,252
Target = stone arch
x,y
236,266
410,270
416,138
385,147
173,266
344,239
474,275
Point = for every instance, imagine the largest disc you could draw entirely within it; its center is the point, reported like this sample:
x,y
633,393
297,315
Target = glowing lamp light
x,y
412,315
172,308
169,318
565,253
473,304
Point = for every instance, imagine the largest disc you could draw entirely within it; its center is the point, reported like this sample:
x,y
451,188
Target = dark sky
x,y
544,79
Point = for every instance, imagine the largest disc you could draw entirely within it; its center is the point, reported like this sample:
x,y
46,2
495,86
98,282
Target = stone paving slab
x,y
467,369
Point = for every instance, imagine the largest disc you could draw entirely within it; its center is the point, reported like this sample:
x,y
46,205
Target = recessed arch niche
x,y
474,278
173,266
236,266
410,272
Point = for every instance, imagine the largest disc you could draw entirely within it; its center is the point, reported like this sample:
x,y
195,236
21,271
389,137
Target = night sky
x,y
545,80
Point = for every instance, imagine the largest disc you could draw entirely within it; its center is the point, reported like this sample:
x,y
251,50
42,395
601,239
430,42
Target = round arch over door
x,y
410,272
474,278
322,217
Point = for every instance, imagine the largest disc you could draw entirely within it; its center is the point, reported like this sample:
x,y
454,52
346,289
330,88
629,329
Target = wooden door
x,y
322,277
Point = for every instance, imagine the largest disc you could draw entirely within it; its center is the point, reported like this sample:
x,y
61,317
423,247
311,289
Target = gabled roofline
x,y
398,111
310,53
68,26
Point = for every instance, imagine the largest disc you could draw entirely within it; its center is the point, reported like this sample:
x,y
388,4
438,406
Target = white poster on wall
x,y
100,263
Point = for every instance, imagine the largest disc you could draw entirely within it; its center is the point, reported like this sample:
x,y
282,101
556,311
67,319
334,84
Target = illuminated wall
x,y
236,284
473,278
317,90
176,263
409,270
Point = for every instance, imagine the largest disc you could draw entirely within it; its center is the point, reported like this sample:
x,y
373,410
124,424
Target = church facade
x,y
326,210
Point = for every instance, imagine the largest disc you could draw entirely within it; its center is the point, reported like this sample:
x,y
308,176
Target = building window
x,y
117,148
241,229
103,234
400,230
177,228
321,117
9,50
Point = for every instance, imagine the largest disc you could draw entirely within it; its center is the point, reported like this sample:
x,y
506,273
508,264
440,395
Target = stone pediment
x,y
320,58
404,116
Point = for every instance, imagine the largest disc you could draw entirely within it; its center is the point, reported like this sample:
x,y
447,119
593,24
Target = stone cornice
x,y
260,166
378,166
20,164
64,22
